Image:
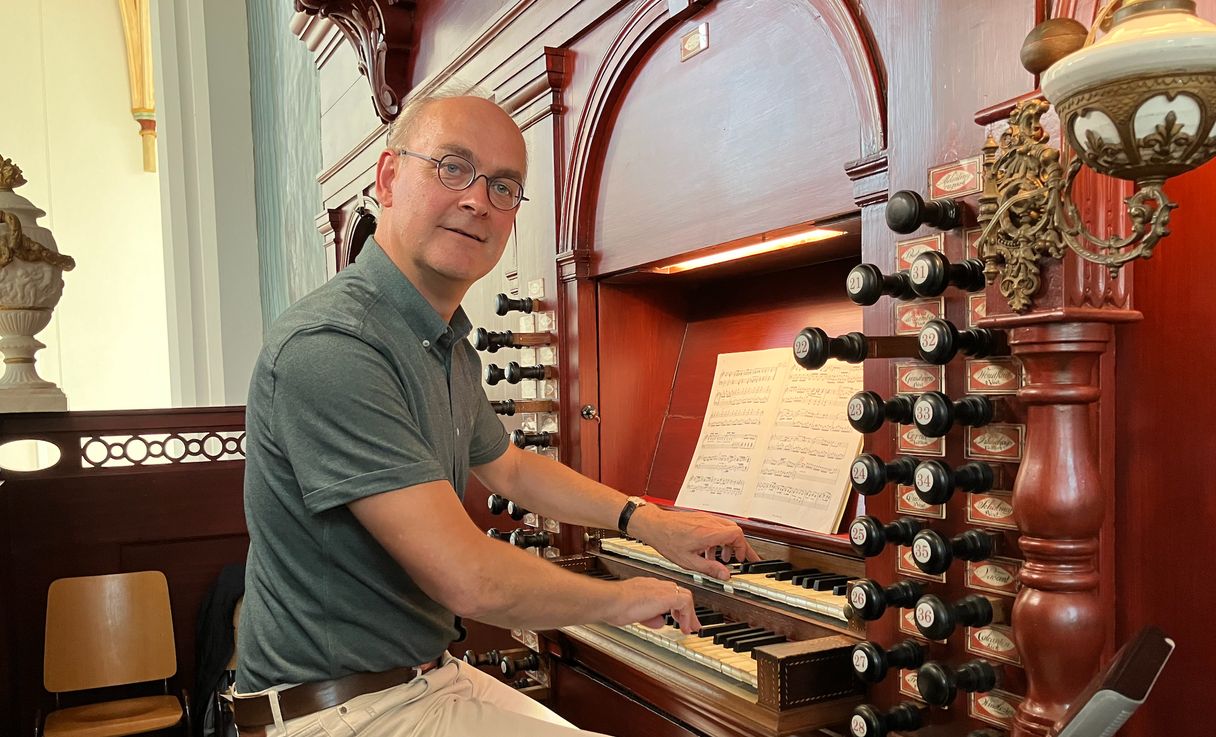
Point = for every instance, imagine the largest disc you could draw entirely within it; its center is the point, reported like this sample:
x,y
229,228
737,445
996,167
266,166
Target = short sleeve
x,y
341,417
490,440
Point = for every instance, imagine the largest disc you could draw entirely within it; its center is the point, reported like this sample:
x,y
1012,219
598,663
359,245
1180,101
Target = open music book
x,y
776,443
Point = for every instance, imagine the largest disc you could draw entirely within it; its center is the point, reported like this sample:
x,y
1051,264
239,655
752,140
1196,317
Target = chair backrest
x,y
108,631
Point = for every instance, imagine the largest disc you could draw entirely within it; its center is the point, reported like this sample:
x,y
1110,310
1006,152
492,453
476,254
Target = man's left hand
x,y
691,539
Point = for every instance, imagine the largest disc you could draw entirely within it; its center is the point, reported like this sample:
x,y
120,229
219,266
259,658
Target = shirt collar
x,y
401,293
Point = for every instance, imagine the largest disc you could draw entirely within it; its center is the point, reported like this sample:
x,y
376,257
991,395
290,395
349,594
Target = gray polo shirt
x,y
361,388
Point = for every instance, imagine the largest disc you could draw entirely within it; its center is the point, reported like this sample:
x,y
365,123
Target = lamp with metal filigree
x,y
1139,104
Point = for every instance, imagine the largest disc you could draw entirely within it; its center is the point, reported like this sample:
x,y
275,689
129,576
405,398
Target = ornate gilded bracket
x,y
382,32
1028,213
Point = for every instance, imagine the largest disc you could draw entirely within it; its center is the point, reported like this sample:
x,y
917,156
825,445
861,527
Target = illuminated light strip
x,y
777,244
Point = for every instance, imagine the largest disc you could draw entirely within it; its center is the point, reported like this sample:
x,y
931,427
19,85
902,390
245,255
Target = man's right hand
x,y
647,600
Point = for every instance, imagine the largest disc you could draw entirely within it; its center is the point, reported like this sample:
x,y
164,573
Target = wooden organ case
x,y
659,130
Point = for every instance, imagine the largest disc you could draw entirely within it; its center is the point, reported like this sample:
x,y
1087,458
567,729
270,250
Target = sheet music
x,y
775,443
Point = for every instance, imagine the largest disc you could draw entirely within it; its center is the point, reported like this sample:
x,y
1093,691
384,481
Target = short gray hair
x,y
399,129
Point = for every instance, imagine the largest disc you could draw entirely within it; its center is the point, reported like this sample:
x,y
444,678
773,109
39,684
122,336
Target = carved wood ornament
x,y
382,33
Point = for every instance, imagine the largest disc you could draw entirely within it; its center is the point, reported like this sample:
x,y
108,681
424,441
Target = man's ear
x,y
386,171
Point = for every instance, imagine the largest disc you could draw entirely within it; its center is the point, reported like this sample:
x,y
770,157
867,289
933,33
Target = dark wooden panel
x,y
1166,508
699,149
596,705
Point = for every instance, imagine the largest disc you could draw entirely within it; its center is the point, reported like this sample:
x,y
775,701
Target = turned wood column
x,y
1059,624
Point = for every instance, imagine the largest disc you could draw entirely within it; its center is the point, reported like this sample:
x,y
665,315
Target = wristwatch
x,y
631,506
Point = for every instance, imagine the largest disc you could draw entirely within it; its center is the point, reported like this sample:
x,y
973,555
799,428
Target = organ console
x,y
907,211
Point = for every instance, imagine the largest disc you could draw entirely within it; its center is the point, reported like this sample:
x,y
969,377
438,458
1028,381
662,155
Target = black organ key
x,y
869,536
830,583
907,211
931,274
937,620
933,553
866,284
870,474
787,575
765,566
934,413
494,374
516,373
523,439
726,638
935,482
871,662
715,629
939,342
868,721
868,412
504,304
813,347
869,600
939,684
749,644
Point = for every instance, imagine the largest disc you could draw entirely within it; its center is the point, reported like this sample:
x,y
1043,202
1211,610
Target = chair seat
x,y
115,718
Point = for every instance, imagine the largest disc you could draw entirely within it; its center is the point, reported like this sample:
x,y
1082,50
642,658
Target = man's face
x,y
446,238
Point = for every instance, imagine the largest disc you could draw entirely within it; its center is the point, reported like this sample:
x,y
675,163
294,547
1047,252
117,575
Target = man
x,y
365,416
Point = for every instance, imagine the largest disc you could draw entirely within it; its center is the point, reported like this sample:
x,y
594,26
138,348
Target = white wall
x,y
67,123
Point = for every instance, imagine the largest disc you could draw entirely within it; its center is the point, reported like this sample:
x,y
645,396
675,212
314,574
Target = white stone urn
x,y
31,283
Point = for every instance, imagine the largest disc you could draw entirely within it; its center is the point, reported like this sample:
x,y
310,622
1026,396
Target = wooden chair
x,y
105,631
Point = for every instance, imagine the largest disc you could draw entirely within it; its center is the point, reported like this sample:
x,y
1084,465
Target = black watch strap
x,y
622,523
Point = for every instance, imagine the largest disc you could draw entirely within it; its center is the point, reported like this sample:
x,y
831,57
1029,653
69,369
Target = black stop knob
x,y
496,503
867,411
866,284
504,304
516,373
931,273
933,553
523,439
497,534
939,342
503,407
870,474
485,340
934,413
531,539
907,211
869,600
494,374
813,348
869,536
871,662
491,658
516,512
939,684
935,482
937,620
511,666
868,721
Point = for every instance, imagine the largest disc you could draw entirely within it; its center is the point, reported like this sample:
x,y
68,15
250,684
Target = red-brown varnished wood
x,y
1166,504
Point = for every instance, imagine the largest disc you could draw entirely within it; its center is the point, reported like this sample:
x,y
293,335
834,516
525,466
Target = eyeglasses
x,y
458,173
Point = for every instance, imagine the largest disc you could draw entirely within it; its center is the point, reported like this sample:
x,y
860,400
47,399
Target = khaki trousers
x,y
455,700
